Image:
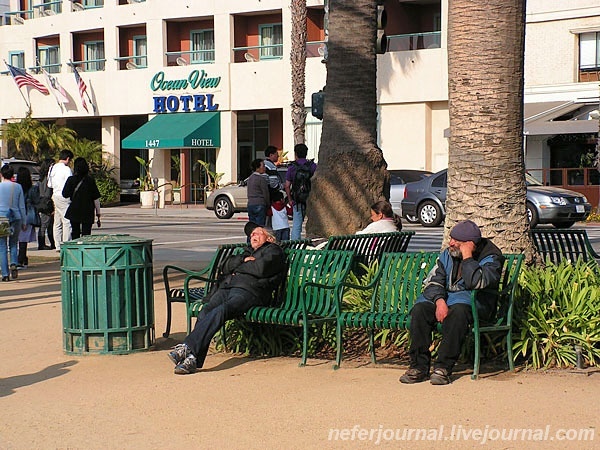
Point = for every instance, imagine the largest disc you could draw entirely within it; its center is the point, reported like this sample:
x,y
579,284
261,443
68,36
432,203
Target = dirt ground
x,y
50,400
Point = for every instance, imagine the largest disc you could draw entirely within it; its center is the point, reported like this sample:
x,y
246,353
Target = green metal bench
x,y
177,295
370,247
556,245
397,285
312,292
208,276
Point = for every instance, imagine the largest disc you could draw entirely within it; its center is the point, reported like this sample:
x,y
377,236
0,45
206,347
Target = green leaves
x,y
559,308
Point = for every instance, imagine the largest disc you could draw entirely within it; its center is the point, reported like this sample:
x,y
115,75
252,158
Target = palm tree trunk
x,y
298,63
352,173
486,170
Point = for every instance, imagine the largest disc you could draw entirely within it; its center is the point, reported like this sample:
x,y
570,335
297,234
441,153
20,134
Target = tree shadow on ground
x,y
9,385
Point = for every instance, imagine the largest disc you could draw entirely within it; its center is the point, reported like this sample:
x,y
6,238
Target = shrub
x,y
558,309
109,190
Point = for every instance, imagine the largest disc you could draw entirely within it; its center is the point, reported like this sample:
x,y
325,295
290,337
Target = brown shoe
x,y
413,375
440,377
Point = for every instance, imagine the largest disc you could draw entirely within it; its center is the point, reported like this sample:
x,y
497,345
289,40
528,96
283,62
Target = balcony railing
x,y
184,58
258,53
48,9
18,17
414,41
50,68
132,62
90,65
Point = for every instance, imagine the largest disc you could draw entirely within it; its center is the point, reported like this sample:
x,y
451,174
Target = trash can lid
x,y
106,239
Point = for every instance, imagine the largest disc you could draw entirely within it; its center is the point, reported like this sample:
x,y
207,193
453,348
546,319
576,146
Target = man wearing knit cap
x,y
470,262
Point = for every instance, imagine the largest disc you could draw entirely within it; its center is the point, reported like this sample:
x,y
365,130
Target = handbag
x,y
6,228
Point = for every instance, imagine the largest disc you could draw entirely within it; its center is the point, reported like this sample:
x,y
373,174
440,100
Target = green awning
x,y
177,130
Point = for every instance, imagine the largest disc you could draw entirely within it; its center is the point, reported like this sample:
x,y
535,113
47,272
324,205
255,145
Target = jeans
x,y
9,248
282,235
62,225
454,330
298,218
224,305
257,214
47,227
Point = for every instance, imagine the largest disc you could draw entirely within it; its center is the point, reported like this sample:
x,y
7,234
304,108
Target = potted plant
x,y
146,184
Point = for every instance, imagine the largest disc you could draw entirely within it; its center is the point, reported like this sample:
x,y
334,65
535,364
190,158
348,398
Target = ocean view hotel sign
x,y
197,79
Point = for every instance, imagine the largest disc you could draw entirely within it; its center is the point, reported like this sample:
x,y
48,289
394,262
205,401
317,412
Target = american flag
x,y
82,87
22,78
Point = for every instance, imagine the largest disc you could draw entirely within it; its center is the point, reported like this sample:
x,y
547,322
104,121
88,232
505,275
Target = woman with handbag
x,y
85,199
12,209
32,218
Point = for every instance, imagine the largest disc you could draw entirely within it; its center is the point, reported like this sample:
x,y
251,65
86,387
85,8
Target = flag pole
x,y
21,92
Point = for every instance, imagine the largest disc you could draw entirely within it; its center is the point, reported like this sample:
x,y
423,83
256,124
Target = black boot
x,y
42,243
22,258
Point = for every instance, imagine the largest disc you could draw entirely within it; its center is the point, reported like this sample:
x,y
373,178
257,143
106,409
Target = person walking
x,y
12,207
81,189
28,234
258,193
297,187
59,173
45,208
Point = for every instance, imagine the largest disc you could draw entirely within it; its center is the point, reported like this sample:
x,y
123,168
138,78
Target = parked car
x,y
545,204
398,179
233,198
33,167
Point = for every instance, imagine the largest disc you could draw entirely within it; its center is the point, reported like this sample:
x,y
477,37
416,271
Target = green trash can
x,y
107,294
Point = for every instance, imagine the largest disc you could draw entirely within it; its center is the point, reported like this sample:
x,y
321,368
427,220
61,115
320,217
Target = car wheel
x,y
223,208
533,216
430,214
563,224
411,219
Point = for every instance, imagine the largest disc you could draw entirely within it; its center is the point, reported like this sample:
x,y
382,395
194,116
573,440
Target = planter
x,y
176,192
147,199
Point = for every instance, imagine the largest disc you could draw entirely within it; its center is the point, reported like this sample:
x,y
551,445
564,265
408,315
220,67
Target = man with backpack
x,y
297,187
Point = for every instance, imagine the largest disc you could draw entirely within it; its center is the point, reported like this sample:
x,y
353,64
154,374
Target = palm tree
x,y
352,173
298,63
59,137
23,137
486,170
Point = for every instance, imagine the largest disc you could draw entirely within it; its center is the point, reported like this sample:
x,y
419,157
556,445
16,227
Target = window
x,y
139,51
271,41
93,3
589,51
203,46
49,58
17,59
94,56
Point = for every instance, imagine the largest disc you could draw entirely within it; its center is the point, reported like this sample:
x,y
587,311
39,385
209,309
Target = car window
x,y
440,181
395,178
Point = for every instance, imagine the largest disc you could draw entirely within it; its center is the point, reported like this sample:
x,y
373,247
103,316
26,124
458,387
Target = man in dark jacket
x,y
249,280
470,262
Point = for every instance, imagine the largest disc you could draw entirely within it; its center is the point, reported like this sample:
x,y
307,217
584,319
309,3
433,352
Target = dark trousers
x,y
224,305
46,228
454,330
80,229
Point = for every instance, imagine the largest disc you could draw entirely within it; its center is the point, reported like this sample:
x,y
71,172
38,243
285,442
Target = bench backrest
x,y
323,267
556,245
400,280
370,247
507,288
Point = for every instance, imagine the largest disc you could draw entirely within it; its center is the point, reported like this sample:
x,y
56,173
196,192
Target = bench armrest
x,y
194,277
172,268
327,287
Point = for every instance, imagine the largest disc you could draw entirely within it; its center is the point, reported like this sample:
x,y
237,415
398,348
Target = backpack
x,y
301,184
45,205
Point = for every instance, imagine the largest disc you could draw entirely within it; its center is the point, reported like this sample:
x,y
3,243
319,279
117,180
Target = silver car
x,y
426,199
398,180
233,198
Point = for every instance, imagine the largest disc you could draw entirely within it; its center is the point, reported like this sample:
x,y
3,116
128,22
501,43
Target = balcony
x,y
90,65
256,53
132,62
185,58
414,41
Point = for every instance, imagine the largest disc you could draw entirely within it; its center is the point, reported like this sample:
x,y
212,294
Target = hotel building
x,y
211,80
